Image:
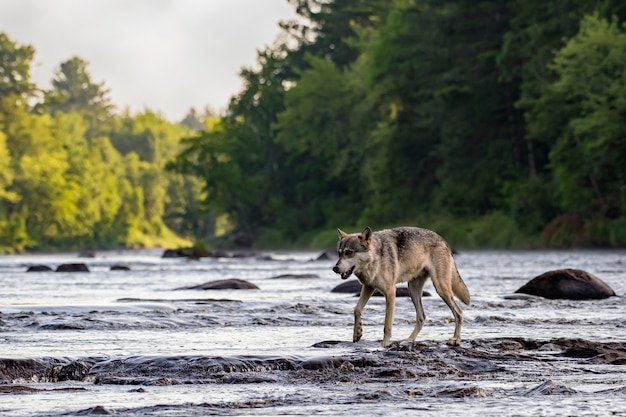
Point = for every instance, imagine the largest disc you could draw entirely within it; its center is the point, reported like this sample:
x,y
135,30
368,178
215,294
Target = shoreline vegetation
x,y
492,232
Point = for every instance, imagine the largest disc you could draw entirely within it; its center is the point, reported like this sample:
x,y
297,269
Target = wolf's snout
x,y
343,274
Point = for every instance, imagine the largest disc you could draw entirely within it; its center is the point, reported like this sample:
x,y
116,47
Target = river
x,y
136,343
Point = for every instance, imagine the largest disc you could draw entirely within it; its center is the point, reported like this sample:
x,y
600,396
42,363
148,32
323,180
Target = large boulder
x,y
572,284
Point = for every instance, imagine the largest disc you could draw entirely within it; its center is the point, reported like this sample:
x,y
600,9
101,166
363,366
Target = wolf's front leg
x,y
366,293
390,302
358,327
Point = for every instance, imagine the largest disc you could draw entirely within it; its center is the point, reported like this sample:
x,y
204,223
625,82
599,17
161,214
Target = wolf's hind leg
x,y
366,293
442,281
458,318
416,288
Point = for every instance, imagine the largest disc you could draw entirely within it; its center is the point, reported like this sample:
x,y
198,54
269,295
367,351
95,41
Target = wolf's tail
x,y
459,288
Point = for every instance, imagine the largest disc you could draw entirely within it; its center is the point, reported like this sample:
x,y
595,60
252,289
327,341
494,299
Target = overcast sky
x,y
167,55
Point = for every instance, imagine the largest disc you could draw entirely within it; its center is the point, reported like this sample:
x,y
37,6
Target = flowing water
x,y
134,343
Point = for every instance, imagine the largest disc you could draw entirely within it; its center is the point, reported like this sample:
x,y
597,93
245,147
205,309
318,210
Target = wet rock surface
x,y
572,284
493,359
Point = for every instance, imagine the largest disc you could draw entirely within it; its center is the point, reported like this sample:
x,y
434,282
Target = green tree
x,y
73,91
149,135
15,62
249,169
47,202
582,113
537,29
7,196
6,173
104,175
329,29
130,218
324,131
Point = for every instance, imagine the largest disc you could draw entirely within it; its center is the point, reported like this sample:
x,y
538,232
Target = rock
x,y
242,240
354,287
39,268
195,252
172,253
97,410
220,254
572,284
88,253
327,256
75,371
295,276
72,268
224,284
118,267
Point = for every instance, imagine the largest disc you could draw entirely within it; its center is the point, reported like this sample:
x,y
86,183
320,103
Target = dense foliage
x,y
499,122
75,175
496,123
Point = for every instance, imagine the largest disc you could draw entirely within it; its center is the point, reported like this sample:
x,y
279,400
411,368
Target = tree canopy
x,y
74,174
496,123
412,111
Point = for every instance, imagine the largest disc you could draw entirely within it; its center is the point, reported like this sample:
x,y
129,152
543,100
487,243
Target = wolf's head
x,y
353,250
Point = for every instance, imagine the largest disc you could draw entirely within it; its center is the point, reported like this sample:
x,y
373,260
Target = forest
x,y
498,124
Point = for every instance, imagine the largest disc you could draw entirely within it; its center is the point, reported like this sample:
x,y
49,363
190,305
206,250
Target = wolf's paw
x,y
454,341
384,343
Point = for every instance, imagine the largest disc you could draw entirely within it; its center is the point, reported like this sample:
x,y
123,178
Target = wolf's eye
x,y
348,252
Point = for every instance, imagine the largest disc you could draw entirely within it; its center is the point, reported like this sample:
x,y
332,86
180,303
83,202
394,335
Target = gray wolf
x,y
382,259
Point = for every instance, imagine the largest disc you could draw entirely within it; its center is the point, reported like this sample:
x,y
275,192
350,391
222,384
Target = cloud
x,y
162,54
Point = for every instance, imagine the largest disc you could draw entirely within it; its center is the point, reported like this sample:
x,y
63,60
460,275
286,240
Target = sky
x,y
164,55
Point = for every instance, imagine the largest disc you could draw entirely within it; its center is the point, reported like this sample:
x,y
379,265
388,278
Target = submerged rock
x,y
295,276
195,252
572,284
119,267
172,253
327,256
354,287
72,268
223,284
550,388
39,268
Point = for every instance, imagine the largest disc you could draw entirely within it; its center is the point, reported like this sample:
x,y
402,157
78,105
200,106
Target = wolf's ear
x,y
342,234
366,235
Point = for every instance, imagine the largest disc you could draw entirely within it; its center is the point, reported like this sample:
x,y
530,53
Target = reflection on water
x,y
195,352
